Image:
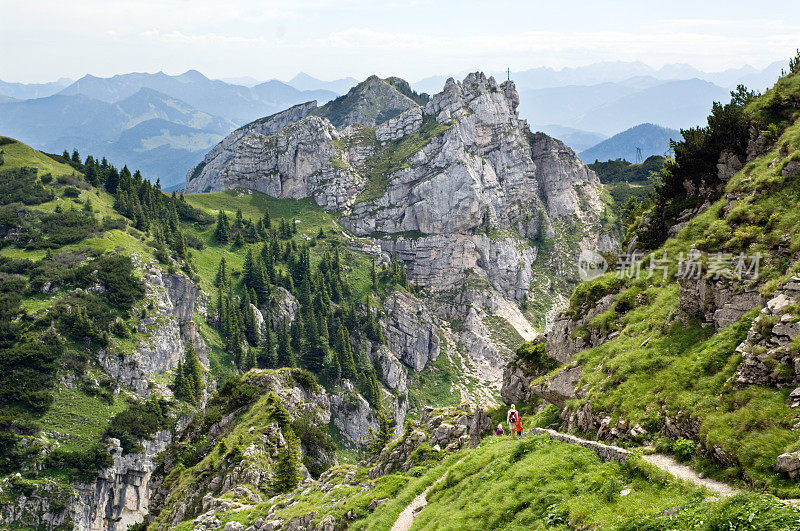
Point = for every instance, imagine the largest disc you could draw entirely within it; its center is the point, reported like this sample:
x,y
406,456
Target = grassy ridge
x,y
18,155
662,368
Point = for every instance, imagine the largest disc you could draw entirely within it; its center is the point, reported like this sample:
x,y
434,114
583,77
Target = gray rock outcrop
x,y
718,302
768,355
119,497
465,198
168,330
561,388
410,331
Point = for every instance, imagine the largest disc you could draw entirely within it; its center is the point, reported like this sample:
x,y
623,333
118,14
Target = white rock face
x,y
467,207
400,126
352,415
410,331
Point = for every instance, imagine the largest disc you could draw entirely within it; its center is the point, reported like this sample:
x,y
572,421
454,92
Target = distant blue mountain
x,y
648,138
303,81
237,103
26,91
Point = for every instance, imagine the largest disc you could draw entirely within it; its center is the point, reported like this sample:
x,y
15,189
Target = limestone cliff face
x,y
169,328
459,189
118,498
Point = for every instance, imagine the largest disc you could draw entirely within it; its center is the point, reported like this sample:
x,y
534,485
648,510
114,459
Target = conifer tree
x,y
285,353
112,180
193,374
249,360
267,221
222,232
378,440
267,358
90,173
222,273
370,388
248,270
179,387
287,472
344,354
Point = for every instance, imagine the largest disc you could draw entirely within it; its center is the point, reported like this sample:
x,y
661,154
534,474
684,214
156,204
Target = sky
x,y
42,40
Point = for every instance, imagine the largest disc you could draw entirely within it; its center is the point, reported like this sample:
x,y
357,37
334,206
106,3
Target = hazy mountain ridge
x,y
650,140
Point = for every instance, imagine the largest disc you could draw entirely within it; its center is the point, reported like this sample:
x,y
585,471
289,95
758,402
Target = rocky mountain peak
x,y
459,189
370,103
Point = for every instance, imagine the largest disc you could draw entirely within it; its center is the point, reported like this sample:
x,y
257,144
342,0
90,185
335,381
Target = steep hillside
x,y
441,474
634,144
486,216
698,353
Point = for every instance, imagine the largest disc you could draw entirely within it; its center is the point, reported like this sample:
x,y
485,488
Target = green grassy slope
x,y
533,483
662,367
16,155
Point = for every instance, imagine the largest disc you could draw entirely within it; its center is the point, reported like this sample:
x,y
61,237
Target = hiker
x,y
500,431
511,419
518,426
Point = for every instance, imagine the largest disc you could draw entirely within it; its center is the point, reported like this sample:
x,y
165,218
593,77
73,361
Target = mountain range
x,y
158,123
583,106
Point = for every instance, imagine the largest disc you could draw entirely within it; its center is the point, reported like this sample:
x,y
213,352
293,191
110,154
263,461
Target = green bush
x,y
140,421
80,463
684,449
71,191
20,185
534,353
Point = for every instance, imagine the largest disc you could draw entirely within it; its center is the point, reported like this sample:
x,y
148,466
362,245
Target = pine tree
x,y
193,374
370,388
267,359
90,173
179,386
112,180
248,270
287,472
344,354
222,232
285,353
378,440
249,360
222,273
267,221
250,330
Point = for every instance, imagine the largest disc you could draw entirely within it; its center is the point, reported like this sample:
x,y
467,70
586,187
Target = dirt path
x,y
664,462
406,518
670,465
